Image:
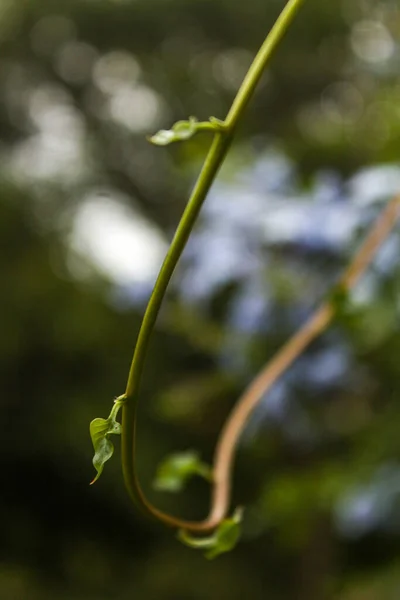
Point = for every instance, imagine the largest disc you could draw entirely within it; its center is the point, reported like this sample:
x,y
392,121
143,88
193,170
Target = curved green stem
x,y
216,155
213,162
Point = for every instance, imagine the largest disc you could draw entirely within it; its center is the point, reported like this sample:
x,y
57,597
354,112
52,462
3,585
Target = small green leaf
x,y
226,536
184,130
224,539
173,473
103,447
100,430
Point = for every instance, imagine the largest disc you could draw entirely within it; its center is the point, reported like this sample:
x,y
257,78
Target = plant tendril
x,y
317,323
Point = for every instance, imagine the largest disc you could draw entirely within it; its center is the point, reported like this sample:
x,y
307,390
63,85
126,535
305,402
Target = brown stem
x,y
236,422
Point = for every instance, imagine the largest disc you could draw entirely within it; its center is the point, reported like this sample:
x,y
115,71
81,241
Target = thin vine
x,y
223,134
226,530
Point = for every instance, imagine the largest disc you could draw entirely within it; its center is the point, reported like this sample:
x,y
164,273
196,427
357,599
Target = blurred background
x,y
87,209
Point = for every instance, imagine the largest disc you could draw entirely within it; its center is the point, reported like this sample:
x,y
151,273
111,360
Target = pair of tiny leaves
x,y
224,538
100,431
184,130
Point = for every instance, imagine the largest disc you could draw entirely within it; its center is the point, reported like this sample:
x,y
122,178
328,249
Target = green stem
x,y
259,63
210,168
216,155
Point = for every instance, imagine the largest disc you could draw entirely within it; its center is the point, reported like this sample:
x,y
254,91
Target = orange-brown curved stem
x,y
236,422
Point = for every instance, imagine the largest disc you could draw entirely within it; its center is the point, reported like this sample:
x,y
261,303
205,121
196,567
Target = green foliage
x,y
176,469
184,130
62,338
100,431
223,540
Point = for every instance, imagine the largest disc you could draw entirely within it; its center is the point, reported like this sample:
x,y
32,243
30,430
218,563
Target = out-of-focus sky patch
x,y
372,42
55,149
116,240
129,102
